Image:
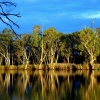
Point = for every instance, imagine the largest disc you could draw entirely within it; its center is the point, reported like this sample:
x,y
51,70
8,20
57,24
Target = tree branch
x,y
4,14
7,3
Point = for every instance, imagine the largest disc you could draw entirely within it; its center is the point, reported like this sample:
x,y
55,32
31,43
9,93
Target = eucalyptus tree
x,y
6,39
66,46
21,49
89,44
51,45
76,53
35,43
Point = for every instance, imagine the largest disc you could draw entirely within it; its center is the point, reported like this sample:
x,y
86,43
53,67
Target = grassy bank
x,y
54,66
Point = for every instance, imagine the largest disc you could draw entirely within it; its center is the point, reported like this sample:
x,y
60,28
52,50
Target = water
x,y
49,85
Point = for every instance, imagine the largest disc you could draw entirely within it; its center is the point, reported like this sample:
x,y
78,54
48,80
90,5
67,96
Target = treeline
x,y
49,46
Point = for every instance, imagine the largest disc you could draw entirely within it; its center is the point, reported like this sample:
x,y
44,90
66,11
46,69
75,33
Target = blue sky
x,y
66,16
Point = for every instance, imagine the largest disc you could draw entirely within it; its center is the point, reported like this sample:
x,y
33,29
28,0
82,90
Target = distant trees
x,y
45,47
49,47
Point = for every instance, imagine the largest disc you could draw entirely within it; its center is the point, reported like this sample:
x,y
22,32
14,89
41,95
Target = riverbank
x,y
54,66
66,66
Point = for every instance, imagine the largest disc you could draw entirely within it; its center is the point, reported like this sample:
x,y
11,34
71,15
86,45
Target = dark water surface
x,y
49,85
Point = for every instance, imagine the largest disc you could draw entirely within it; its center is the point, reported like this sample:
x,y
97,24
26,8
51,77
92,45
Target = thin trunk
x,y
41,60
25,60
7,60
57,57
40,65
12,57
92,59
52,56
68,60
1,60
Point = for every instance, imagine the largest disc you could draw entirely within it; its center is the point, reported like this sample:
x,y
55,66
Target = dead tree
x,y
5,13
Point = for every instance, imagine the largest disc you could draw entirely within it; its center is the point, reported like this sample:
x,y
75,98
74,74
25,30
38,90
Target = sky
x,y
66,16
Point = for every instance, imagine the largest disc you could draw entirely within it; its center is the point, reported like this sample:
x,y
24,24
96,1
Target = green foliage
x,y
6,36
49,46
6,39
50,37
35,38
66,45
89,44
20,47
35,43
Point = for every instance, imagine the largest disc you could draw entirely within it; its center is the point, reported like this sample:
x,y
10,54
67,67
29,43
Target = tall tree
x,y
51,45
90,44
66,46
35,43
21,49
6,38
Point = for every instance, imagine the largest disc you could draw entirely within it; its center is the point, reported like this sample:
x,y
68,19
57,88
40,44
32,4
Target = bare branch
x,y
7,3
7,25
4,14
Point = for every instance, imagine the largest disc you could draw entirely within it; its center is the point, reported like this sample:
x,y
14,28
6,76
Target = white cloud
x,y
88,15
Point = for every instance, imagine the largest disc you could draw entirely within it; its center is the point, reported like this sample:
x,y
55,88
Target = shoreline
x,y
54,66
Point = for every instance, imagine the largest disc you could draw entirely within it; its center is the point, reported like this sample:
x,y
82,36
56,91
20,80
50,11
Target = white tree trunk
x,y
92,59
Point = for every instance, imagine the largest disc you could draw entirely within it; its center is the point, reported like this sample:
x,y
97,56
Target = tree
x,y
69,47
66,46
21,50
5,8
6,38
51,45
89,44
35,44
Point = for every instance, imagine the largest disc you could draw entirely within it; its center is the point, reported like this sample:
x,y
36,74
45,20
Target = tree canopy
x,y
49,47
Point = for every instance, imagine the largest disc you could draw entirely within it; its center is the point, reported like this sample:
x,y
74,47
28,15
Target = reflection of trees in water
x,y
21,83
93,90
49,83
13,83
1,83
44,85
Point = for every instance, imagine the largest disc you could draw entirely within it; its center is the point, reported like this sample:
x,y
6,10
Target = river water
x,y
49,85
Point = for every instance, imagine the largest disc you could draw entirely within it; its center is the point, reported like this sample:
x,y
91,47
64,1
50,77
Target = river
x,y
49,85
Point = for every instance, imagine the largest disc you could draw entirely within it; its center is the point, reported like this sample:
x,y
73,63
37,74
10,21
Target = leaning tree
x,y
6,7
90,45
